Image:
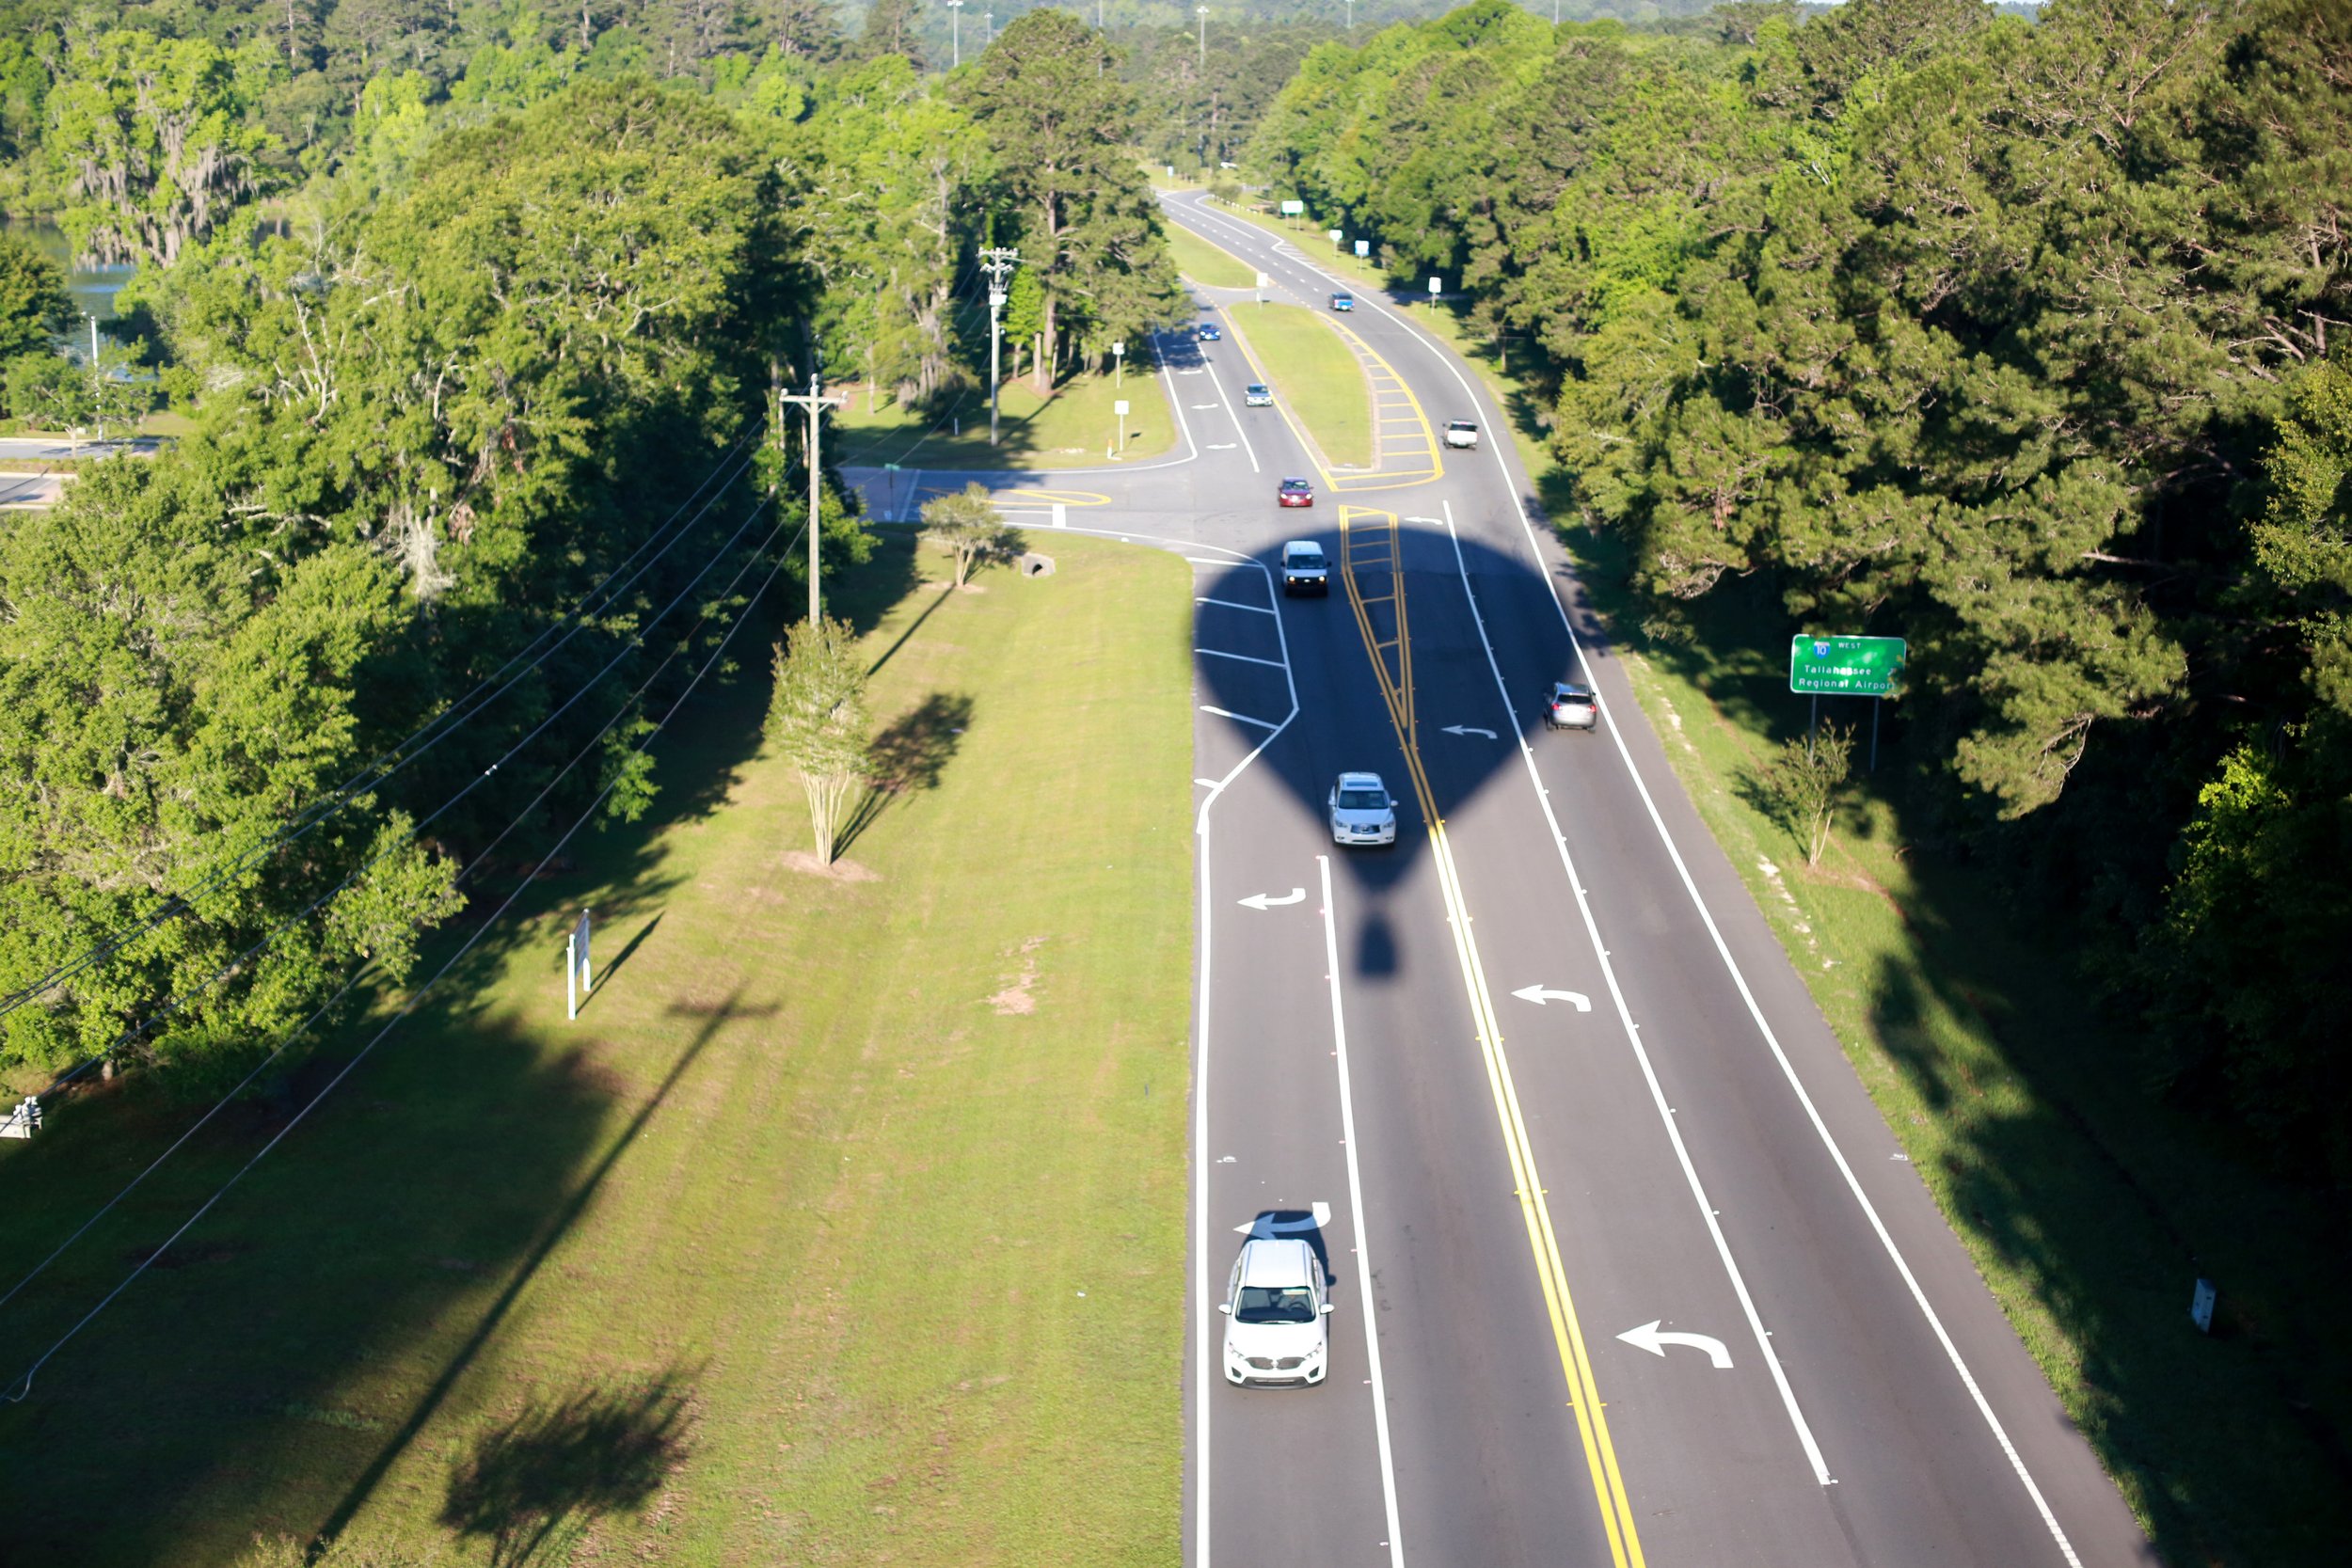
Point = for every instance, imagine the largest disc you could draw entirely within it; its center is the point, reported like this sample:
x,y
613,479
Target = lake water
x,y
93,288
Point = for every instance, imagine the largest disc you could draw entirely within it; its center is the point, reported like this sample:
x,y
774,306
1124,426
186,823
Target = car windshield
x,y
1256,390
1461,424
1311,561
1293,485
1284,1304
1363,799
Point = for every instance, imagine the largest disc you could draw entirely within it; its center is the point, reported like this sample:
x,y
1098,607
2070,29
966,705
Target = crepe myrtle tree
x,y
817,721
970,528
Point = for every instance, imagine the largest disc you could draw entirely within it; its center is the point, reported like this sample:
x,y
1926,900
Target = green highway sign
x,y
1844,666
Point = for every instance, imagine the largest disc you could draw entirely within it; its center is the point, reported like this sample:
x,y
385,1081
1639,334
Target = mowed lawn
x,y
1314,374
843,1227
1204,262
1076,427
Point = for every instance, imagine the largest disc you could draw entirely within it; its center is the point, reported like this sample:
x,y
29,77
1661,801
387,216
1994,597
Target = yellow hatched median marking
x,y
1369,538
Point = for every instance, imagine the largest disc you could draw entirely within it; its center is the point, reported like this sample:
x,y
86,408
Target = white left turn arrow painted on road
x,y
1538,995
1264,1227
1469,729
1267,901
1648,1337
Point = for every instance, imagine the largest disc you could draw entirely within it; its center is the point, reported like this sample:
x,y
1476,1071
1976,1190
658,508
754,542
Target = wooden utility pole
x,y
815,402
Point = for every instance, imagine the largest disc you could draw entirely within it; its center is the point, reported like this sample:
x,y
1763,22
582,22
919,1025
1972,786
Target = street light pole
x,y
1204,36
988,28
955,23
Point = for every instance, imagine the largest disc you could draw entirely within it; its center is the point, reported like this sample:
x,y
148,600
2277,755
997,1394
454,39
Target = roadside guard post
x,y
1845,667
577,978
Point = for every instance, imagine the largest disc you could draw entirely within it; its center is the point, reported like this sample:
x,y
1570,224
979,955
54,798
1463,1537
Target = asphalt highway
x,y
1627,1268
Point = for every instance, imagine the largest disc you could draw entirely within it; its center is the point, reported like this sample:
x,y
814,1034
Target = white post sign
x,y
1433,286
1335,239
578,978
1363,248
1120,408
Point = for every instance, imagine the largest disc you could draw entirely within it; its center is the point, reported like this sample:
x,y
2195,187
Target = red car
x,y
1294,492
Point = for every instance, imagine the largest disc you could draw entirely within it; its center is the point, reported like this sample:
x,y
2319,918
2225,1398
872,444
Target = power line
x,y
320,810
25,1390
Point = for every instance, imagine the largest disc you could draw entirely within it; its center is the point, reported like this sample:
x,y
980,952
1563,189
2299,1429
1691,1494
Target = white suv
x,y
1274,1307
1461,433
1362,812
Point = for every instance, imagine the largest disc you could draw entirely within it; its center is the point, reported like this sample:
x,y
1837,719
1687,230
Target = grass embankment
x,y
1313,373
1076,427
2089,1207
843,1227
1205,264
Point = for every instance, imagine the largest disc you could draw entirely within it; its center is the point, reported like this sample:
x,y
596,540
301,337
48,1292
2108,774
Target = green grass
x,y
1074,428
2089,1207
806,1244
1205,264
1313,373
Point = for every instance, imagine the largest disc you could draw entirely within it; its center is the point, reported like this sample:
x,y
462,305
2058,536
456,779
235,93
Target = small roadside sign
x,y
1292,209
1844,666
1120,407
1434,284
1336,236
1363,247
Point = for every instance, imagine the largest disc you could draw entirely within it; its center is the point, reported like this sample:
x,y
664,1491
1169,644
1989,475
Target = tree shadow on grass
x,y
911,754
561,1465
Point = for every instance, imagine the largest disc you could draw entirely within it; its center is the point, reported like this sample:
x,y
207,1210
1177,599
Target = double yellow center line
x,y
1371,554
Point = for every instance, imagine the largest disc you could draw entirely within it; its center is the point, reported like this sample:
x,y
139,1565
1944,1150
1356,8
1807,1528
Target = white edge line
x,y
1205,1307
1723,950
1363,1243
1625,1017
1231,604
1239,718
1239,658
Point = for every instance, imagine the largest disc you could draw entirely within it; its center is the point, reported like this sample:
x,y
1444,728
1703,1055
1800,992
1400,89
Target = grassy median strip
x,y
1077,427
1204,262
2089,1209
844,1225
1314,375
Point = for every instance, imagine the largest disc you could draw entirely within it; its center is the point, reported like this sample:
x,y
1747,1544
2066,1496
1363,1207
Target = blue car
x,y
1211,333
1343,302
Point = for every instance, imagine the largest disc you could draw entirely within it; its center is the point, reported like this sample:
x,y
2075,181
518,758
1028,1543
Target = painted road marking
x,y
1395,1542
1218,446
1242,659
1633,1036
1204,1306
1267,900
1469,729
1240,718
1648,1337
1266,1225
1059,498
1576,1365
1230,604
1538,995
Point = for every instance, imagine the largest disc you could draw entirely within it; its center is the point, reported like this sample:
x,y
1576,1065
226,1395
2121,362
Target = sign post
x,y
1120,408
1363,248
1293,208
578,976
1845,667
1336,237
1264,284
1118,364
1434,284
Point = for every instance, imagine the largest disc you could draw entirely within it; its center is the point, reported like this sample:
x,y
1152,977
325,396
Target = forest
x,y
2020,336
2027,341
472,323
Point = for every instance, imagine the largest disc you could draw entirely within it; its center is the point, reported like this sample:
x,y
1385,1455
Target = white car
x,y
1305,568
1362,812
1461,433
1274,1310
1572,705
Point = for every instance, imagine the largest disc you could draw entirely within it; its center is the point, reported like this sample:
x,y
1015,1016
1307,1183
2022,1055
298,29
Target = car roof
x,y
1277,1262
1362,780
1293,547
1573,689
1461,424
1257,387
